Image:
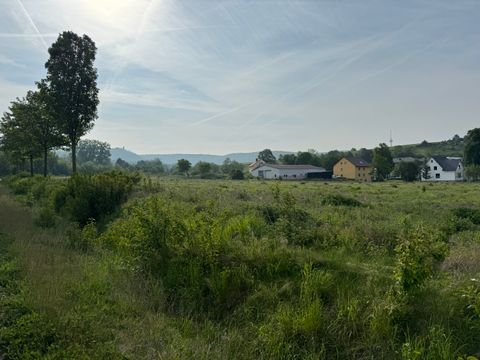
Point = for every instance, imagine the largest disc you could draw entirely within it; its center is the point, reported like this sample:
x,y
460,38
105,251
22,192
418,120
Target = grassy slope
x,y
99,310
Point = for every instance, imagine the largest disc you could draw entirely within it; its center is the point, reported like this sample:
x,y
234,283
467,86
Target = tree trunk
x,y
31,165
74,158
45,162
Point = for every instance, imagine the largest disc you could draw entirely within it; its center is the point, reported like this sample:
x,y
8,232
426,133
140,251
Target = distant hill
x,y
127,155
452,147
170,159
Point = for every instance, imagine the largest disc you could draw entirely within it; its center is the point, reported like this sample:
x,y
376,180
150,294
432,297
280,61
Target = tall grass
x,y
216,269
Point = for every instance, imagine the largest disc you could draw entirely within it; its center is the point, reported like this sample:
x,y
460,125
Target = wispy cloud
x,y
23,35
32,24
250,74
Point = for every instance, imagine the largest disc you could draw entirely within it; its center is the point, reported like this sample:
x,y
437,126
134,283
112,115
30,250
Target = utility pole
x,y
391,139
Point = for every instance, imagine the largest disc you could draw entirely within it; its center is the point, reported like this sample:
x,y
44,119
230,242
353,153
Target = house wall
x,y
286,174
347,170
266,172
442,175
364,174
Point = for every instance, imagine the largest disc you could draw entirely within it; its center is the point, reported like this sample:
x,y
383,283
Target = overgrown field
x,y
117,266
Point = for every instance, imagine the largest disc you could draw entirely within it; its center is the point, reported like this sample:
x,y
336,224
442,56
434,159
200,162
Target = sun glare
x,y
126,15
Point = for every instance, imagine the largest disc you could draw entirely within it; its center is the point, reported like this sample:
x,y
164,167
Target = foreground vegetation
x,y
170,268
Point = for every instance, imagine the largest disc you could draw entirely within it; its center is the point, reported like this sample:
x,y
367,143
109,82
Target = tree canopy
x,y
94,151
184,166
472,147
267,156
409,171
382,161
72,83
18,132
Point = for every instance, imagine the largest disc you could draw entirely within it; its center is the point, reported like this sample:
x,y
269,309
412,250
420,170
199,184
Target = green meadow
x,y
118,266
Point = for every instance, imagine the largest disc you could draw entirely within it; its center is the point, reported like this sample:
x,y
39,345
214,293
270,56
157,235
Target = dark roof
x,y
357,161
447,164
294,167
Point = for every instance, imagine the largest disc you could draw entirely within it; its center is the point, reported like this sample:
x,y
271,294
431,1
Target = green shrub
x,y
473,215
340,200
208,260
418,253
30,337
45,218
86,198
237,175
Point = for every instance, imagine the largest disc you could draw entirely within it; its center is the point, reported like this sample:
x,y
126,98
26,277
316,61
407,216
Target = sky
x,y
223,76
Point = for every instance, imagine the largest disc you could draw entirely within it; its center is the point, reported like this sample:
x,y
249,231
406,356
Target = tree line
x,y
61,109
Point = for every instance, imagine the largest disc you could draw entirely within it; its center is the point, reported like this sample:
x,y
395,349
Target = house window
x,y
434,168
431,161
437,176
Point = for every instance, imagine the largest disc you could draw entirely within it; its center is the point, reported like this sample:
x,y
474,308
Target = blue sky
x,y
207,76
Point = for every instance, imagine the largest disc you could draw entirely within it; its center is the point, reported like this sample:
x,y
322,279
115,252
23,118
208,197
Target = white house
x,y
287,172
443,168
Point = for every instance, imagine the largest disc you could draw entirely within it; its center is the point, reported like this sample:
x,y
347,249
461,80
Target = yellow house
x,y
353,169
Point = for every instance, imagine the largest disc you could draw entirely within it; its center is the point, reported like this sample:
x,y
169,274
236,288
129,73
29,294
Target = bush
x,y
86,198
237,175
340,200
45,218
418,253
208,260
470,214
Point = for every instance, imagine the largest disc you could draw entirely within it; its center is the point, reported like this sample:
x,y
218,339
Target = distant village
x,y
435,168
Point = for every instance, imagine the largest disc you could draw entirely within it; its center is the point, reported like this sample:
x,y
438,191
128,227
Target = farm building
x,y
443,168
288,172
354,169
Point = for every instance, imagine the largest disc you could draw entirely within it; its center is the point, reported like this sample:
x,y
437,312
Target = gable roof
x,y
294,167
357,161
447,163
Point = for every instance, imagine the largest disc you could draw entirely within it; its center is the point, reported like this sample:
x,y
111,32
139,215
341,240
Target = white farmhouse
x,y
443,168
287,172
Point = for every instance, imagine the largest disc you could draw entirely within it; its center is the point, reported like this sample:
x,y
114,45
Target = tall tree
x,y
288,159
184,166
472,147
5,165
409,171
305,158
267,156
72,83
365,154
230,166
382,161
45,130
18,128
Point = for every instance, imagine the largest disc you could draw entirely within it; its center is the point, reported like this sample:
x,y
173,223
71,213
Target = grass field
x,y
247,269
